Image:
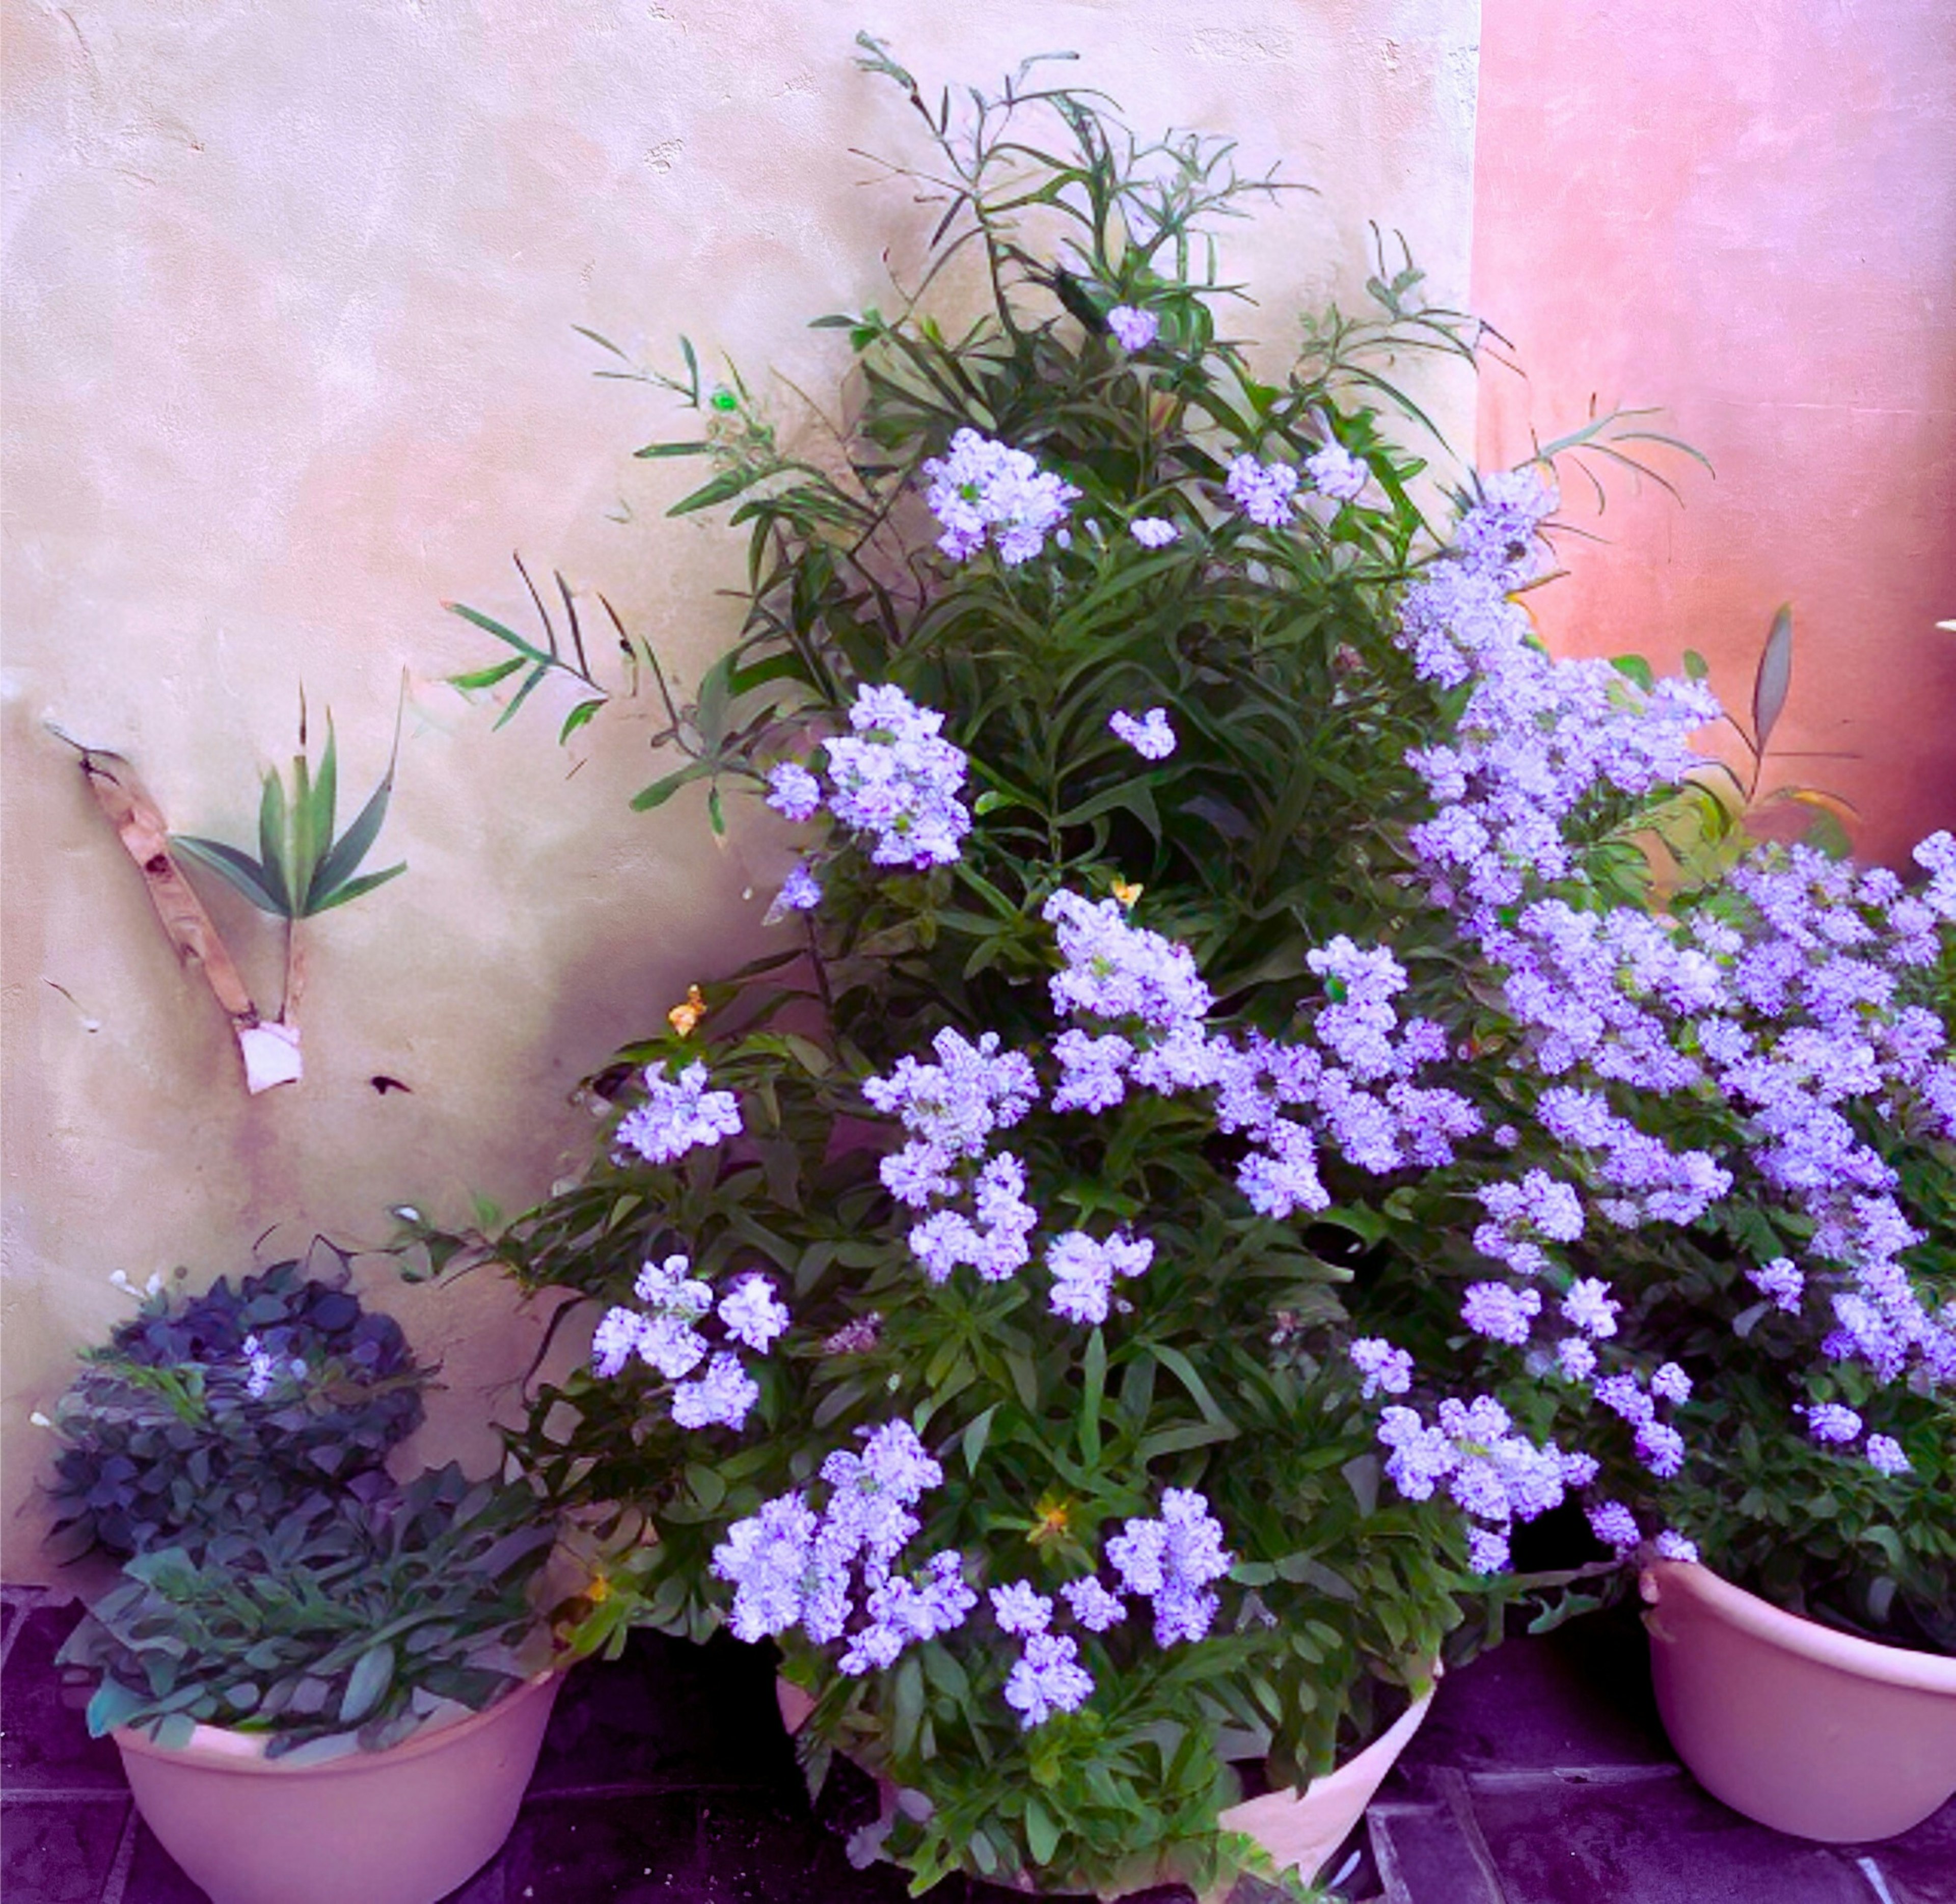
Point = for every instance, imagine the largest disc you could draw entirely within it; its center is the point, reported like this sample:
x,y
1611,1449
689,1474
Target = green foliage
x,y
341,1624
1278,823
273,1388
300,869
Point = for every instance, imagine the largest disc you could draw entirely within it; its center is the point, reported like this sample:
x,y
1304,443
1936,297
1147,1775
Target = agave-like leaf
x,y
271,842
238,868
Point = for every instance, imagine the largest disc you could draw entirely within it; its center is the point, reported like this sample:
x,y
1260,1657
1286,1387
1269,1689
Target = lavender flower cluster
x,y
663,1333
988,492
836,1574
893,779
679,1114
1789,1009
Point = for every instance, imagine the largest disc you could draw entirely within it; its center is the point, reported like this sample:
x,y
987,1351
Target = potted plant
x,y
1256,1018
339,1701
285,1381
969,1294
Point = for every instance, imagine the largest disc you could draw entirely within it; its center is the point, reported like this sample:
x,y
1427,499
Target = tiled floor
x,y
1542,1778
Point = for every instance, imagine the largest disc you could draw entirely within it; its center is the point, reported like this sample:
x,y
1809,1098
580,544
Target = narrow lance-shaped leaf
x,y
343,860
238,869
272,843
1774,678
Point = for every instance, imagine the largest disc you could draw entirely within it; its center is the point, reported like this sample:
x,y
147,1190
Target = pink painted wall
x,y
1746,214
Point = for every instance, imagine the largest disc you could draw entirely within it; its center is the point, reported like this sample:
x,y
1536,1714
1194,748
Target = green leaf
x,y
343,859
271,842
977,1432
581,716
490,625
357,888
1774,678
366,1684
487,676
1094,1378
660,791
239,869
723,488
1042,1831
672,450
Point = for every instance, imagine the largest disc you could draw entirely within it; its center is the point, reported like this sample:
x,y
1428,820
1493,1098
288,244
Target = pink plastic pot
x,y
1814,1732
1299,1830
406,1825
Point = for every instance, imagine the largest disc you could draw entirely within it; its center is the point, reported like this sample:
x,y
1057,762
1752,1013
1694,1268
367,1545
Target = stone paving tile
x,y
60,1852
155,1876
1421,1854
1920,1866
667,1713
1580,1696
1652,1841
45,1745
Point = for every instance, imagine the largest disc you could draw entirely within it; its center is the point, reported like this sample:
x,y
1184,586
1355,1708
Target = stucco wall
x,y
289,362
1747,214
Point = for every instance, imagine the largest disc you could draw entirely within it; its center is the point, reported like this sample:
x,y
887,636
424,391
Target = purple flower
x,y
1671,1545
1884,1455
1136,329
986,489
1264,492
1048,1679
801,891
1487,1550
752,1316
1018,1609
678,1114
1171,1561
615,1341
896,779
1590,1307
1500,1312
1337,475
1116,971
1670,1383
1781,1281
721,1398
1661,1448
1150,736
793,792
1153,531
1831,1422
1615,1525
1084,1272
1386,1370
1093,1605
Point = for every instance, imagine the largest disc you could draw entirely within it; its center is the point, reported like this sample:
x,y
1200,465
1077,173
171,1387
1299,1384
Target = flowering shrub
x,y
1228,1141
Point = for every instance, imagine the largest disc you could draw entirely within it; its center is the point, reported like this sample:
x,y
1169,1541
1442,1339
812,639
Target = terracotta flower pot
x,y
405,1826
1299,1829
1816,1733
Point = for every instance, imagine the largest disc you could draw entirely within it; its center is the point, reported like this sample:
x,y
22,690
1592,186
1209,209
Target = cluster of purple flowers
x,y
1134,329
1083,1270
893,779
790,1566
1337,474
1787,1007
664,1333
951,1108
1494,1475
984,490
1171,1561
679,1114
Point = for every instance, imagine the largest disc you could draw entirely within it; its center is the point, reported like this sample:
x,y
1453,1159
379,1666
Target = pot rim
x,y
1901,1666
244,1753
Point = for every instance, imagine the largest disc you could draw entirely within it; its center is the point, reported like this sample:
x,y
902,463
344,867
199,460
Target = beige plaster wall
x,y
288,362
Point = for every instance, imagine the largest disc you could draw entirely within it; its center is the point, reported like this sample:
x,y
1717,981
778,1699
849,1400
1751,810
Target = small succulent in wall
x,y
302,868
